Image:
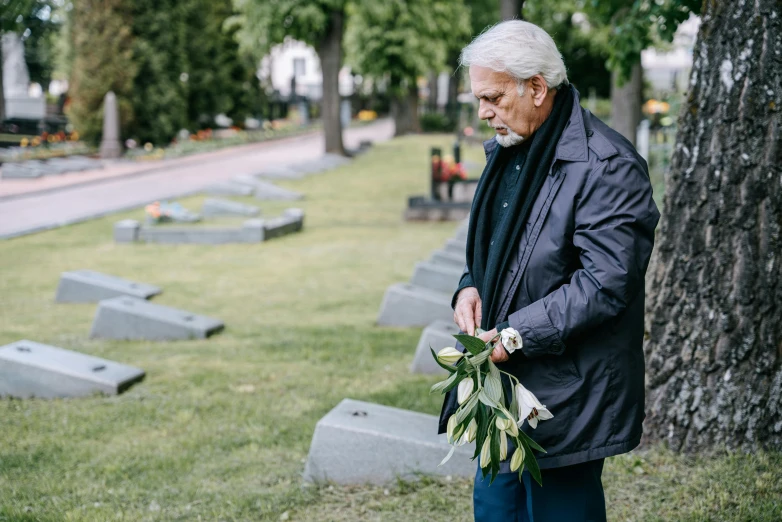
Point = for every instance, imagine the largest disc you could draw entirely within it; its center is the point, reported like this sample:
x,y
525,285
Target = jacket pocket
x,y
567,371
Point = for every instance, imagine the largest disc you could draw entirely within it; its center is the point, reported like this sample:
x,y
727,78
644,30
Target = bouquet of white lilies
x,y
485,415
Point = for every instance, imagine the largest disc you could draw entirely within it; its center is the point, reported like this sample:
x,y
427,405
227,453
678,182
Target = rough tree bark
x,y
626,101
330,54
511,9
714,324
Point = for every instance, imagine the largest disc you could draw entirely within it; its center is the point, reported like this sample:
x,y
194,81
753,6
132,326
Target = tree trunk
x,y
404,109
626,101
511,9
330,54
714,324
433,91
2,91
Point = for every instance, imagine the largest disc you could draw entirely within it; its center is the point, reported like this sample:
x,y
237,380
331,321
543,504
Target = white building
x,y
294,58
669,70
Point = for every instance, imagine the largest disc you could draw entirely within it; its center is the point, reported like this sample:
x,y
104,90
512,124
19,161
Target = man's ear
x,y
538,89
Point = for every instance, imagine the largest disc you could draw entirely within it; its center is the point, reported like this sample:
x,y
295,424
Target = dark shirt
x,y
516,156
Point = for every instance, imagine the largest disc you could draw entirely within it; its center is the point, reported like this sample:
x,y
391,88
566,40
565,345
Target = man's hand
x,y
467,312
500,354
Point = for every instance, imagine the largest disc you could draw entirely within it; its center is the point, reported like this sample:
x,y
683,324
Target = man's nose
x,y
484,111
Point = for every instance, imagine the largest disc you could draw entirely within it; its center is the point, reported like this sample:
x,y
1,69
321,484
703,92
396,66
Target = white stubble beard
x,y
508,140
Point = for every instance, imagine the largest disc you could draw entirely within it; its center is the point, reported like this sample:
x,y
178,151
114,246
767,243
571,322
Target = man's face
x,y
512,116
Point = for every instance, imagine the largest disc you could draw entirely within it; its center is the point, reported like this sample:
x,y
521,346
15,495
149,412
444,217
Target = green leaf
x,y
477,360
473,344
482,418
532,463
485,399
448,367
466,409
493,388
495,454
531,442
494,371
447,457
443,385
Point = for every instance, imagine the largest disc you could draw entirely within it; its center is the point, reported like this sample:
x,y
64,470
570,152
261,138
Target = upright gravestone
x,y
130,318
88,286
439,277
29,369
360,442
436,336
110,146
410,305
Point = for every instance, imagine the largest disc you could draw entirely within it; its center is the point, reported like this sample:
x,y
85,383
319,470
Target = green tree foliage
x,y
318,23
400,40
103,52
160,90
634,25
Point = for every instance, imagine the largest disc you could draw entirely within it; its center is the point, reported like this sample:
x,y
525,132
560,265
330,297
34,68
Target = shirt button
x,y
505,204
518,167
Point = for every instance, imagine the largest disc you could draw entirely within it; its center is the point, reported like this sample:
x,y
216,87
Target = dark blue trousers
x,y
569,494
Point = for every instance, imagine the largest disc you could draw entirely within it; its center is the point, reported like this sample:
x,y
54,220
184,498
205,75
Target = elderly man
x,y
560,236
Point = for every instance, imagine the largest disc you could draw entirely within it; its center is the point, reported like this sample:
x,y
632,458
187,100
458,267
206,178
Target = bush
x,y
436,122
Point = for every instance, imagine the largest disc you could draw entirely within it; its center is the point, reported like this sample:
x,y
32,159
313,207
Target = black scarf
x,y
488,264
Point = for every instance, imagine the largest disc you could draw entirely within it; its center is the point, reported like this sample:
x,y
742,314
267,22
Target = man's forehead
x,y
484,80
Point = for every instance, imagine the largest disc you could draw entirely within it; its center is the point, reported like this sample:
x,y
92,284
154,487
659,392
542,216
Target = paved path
x,y
120,187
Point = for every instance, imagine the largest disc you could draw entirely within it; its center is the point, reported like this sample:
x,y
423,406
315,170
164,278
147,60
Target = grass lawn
x,y
220,428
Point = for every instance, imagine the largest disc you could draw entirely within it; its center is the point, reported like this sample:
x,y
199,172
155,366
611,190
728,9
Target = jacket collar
x,y
572,145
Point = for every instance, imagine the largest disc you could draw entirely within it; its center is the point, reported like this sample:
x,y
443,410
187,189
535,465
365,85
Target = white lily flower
x,y
453,436
517,458
486,453
511,339
503,446
530,407
507,424
465,390
449,355
469,434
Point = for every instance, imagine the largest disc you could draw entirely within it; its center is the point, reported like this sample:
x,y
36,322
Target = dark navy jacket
x,y
575,293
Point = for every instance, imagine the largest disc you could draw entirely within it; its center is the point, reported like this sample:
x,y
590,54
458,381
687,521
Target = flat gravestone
x,y
443,257
409,305
75,163
437,335
225,207
280,172
443,278
131,318
87,286
456,247
127,231
360,442
229,189
292,220
29,369
251,231
19,171
267,191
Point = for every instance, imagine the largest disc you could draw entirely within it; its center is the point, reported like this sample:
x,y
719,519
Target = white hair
x,y
520,49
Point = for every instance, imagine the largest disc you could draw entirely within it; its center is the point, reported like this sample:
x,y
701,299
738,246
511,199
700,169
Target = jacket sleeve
x,y
615,218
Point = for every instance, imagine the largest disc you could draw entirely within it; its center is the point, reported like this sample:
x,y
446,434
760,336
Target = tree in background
x,y
397,41
160,86
103,51
319,23
633,26
714,321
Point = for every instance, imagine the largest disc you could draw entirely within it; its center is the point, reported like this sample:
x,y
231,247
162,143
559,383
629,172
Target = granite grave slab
x,y
363,443
409,305
440,277
88,286
225,207
229,188
437,335
29,369
443,257
132,318
264,190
